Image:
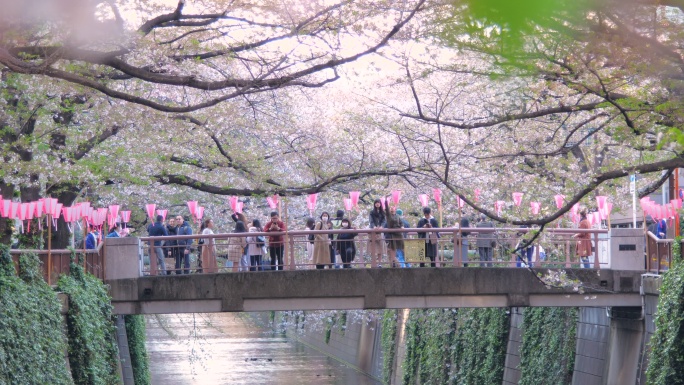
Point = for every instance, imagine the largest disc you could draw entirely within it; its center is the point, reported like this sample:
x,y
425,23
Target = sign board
x,y
414,250
632,184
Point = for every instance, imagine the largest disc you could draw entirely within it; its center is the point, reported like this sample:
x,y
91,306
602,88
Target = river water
x,y
227,348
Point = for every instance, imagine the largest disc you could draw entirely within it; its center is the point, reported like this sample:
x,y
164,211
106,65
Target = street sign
x,y
632,184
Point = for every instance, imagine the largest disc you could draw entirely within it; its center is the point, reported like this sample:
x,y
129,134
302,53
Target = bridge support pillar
x,y
625,345
122,258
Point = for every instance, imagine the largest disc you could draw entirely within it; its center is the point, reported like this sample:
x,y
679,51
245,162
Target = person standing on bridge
x,y
172,245
184,245
237,245
276,243
584,240
255,247
428,221
159,230
209,264
485,242
377,219
346,244
321,254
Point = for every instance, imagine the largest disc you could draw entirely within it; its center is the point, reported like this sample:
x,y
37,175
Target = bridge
x,y
613,279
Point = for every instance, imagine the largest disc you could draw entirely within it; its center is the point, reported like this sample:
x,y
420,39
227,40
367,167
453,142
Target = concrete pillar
x,y
593,333
122,258
511,374
364,356
626,249
400,343
624,352
125,367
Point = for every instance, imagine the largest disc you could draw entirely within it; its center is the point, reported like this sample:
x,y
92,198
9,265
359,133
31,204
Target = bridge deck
x,y
369,289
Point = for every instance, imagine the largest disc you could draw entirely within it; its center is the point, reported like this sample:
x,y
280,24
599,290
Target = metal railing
x,y
371,250
59,260
658,253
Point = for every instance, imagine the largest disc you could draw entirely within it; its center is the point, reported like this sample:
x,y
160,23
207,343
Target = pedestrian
x,y
377,219
485,242
321,254
276,244
209,264
429,222
171,246
158,230
244,260
395,241
584,240
346,244
255,247
310,225
463,240
334,249
91,238
237,245
184,245
115,232
524,254
661,229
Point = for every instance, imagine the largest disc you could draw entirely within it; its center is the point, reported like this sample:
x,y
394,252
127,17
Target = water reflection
x,y
226,348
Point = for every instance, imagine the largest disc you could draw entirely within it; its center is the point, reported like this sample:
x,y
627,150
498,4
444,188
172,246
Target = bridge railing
x,y
658,253
56,262
553,248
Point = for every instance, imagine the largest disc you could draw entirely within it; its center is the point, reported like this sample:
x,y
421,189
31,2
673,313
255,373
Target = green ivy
x,y
387,338
666,361
547,353
32,343
480,349
135,332
93,353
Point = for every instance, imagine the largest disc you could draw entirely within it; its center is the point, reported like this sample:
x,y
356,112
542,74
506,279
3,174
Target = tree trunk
x,y
7,191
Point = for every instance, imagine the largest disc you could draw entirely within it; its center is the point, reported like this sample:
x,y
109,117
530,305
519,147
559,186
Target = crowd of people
x,y
258,252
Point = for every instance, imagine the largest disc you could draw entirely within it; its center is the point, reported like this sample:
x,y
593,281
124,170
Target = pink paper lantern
x,y
517,198
348,204
58,211
38,208
150,210
23,211
437,195
233,203
192,206
601,201
239,206
559,200
114,211
498,206
125,216
31,210
354,196
535,207
66,214
163,214
575,208
460,202
396,196
14,209
383,202
311,201
50,205
200,212
677,203
423,199
271,203
477,195
6,207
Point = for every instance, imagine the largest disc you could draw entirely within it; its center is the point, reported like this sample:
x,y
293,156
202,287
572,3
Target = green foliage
x,y
387,340
135,332
547,353
481,342
32,344
666,361
93,353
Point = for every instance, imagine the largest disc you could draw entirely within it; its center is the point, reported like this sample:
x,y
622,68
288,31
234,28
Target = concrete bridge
x,y
133,292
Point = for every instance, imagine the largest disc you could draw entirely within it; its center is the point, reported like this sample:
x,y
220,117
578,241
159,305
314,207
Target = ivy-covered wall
x,y
32,343
388,341
449,346
135,333
666,361
547,352
93,353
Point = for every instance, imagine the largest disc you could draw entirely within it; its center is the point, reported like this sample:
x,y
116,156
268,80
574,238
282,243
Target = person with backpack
x,y
184,245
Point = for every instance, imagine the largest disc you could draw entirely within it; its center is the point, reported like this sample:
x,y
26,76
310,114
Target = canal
x,y
228,348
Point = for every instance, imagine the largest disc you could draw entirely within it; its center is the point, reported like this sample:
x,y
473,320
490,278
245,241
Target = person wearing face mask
x,y
346,245
377,219
321,253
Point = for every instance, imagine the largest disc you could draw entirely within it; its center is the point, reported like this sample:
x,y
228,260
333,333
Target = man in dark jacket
x,y
157,230
171,246
428,221
485,242
184,245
